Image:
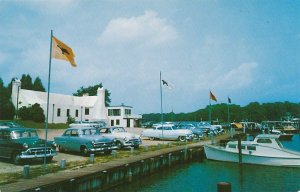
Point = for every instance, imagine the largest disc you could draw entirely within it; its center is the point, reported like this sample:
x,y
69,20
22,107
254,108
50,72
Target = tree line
x,y
254,111
8,111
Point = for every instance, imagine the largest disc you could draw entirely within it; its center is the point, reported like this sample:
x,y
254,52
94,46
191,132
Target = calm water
x,y
204,176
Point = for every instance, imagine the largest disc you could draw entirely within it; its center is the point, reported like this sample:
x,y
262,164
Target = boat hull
x,y
220,154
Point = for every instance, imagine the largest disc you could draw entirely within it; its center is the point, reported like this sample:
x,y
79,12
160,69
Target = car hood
x,y
33,142
126,134
99,138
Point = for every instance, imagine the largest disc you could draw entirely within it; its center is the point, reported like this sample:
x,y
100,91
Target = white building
x,y
84,108
121,116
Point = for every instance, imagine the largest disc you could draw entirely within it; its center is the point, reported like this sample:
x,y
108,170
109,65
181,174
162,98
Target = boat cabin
x,y
266,140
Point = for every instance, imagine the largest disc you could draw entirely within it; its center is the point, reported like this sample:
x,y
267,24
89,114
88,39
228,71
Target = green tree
x,y
38,86
7,110
26,82
92,91
34,113
24,113
37,113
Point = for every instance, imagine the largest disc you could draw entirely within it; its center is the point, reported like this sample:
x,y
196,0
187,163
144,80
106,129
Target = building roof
x,y
32,97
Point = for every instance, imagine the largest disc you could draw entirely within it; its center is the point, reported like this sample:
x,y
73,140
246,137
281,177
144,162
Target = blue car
x,y
84,140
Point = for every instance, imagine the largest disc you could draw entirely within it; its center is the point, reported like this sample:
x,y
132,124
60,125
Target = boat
x,y
265,149
282,135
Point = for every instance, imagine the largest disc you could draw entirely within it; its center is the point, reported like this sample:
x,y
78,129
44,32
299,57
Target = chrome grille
x,y
102,144
39,150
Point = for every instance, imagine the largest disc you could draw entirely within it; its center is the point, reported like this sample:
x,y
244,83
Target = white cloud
x,y
147,29
239,77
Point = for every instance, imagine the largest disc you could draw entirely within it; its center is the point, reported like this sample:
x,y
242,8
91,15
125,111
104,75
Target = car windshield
x,y
23,134
88,131
119,129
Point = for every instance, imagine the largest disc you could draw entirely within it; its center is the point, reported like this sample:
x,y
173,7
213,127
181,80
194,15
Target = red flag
x,y
212,97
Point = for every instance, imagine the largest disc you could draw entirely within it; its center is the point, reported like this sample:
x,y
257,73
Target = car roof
x,y
18,129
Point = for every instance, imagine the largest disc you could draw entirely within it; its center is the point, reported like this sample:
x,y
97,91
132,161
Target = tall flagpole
x,y
212,137
161,109
48,95
229,118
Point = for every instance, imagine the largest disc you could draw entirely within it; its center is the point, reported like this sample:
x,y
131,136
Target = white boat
x,y
266,149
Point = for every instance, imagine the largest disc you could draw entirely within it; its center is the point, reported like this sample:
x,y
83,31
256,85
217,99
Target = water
x,y
204,176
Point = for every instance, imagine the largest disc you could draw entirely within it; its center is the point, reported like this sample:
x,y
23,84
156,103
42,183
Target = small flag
x,y
212,97
167,84
229,100
62,51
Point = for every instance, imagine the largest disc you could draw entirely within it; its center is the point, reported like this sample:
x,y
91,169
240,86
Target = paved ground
x,y
6,166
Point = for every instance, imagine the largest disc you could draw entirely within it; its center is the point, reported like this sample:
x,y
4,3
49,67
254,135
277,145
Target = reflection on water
x,y
204,176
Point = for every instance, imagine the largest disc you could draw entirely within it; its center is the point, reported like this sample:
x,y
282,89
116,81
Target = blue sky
x,y
247,50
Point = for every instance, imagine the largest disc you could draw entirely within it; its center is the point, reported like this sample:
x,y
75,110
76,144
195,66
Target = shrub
x,y
34,113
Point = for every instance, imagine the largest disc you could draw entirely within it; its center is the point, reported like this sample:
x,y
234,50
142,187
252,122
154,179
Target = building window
x,y
58,112
118,122
114,112
86,111
112,122
68,112
76,113
127,111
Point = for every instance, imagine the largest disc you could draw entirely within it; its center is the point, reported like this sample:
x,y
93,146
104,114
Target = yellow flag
x,y
212,96
62,51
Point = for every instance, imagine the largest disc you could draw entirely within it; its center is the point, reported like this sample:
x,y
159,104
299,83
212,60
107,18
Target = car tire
x,y
16,158
152,138
49,159
182,138
84,151
119,145
61,149
108,152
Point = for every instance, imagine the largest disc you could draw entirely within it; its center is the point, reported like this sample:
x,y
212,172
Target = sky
x,y
246,50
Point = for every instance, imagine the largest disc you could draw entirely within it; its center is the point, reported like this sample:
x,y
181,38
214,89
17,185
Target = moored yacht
x,y
265,149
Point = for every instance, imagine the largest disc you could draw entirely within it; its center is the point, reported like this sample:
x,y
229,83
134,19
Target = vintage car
x,y
96,124
84,140
168,132
124,138
9,124
19,144
197,132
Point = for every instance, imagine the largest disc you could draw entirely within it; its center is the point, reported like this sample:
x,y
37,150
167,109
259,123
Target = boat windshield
x,y
278,142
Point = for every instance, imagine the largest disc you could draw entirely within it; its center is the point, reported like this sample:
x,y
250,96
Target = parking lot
x,y
7,167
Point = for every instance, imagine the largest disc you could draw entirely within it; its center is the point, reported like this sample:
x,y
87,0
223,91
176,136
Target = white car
x,y
124,138
168,132
95,124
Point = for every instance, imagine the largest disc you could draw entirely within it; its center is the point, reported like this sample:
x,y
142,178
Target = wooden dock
x,y
102,176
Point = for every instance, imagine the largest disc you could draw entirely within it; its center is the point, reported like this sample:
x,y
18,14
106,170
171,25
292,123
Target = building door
x,y
112,123
128,122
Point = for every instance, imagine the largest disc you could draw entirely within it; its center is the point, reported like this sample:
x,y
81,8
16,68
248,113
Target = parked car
x,y
169,132
96,124
18,144
9,124
84,140
124,138
207,128
197,132
147,124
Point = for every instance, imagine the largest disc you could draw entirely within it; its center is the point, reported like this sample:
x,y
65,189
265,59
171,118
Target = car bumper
x,y
132,143
34,154
101,149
